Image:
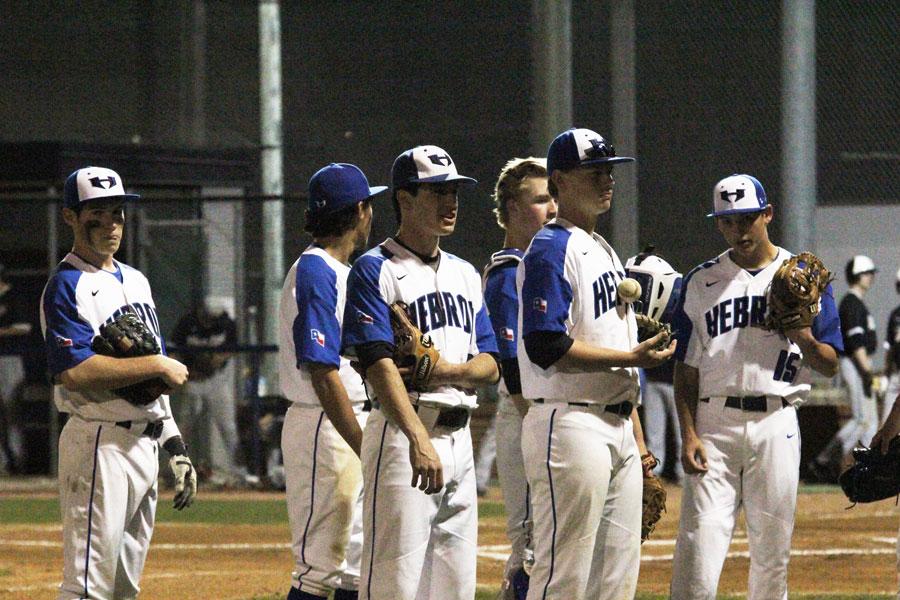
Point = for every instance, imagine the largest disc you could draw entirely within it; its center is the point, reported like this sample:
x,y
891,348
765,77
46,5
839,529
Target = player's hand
x,y
174,373
427,470
185,480
693,456
647,357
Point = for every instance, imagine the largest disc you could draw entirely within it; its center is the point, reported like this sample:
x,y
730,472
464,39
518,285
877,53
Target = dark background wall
x,y
363,81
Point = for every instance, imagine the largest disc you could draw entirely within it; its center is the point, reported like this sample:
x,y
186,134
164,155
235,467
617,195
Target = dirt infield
x,y
236,546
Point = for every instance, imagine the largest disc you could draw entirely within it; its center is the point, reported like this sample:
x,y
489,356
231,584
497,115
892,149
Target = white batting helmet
x,y
660,284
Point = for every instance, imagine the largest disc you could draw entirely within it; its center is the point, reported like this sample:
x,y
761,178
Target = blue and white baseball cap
x,y
578,147
737,194
426,164
338,186
93,183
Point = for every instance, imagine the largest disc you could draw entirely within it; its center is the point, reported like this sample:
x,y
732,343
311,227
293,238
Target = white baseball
x,y
629,290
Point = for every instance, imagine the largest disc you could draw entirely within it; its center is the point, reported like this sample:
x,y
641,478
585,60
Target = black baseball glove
x,y
874,476
128,337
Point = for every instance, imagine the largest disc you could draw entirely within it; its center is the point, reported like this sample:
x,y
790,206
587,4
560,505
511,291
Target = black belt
x,y
367,406
623,409
153,429
749,403
455,417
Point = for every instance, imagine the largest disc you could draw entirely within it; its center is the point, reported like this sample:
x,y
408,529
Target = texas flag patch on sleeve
x,y
507,334
318,337
539,304
63,342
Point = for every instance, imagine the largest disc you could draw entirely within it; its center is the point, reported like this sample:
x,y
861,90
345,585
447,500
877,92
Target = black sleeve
x,y
371,352
546,347
511,378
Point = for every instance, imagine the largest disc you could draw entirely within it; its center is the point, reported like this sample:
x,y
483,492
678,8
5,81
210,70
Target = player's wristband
x,y
175,445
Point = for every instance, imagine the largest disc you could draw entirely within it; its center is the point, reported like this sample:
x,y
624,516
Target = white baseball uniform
x,y
322,473
502,303
418,545
750,381
581,458
108,464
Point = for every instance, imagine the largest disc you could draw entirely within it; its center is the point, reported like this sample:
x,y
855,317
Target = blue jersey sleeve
x,y
316,330
484,333
682,327
546,294
366,317
67,338
503,307
826,326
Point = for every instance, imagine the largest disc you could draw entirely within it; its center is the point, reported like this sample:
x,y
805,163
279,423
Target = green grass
x,y
250,512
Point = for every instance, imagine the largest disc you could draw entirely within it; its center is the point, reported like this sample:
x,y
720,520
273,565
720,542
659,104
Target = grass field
x,y
236,546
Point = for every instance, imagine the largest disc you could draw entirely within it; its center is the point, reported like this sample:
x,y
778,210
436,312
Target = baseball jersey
x,y
309,326
567,283
717,323
892,341
77,299
857,324
502,302
445,303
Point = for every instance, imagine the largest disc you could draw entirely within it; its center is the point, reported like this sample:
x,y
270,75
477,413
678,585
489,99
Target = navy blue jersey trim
x,y
374,497
552,505
87,550
312,499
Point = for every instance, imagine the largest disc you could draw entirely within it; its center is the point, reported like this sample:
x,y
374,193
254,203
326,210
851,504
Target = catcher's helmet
x,y
660,284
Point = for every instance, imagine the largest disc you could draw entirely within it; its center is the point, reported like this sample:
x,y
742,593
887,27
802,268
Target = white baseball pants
x,y
863,423
584,472
417,546
324,496
754,463
107,496
511,471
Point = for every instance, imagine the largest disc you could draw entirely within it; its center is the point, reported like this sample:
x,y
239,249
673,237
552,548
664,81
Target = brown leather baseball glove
x,y
792,298
414,352
128,337
654,497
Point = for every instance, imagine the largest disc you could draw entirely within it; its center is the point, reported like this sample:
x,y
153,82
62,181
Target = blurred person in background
x,y
207,401
860,342
14,327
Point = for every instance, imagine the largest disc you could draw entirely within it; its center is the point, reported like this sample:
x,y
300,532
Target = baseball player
x,y
860,342
108,462
320,440
892,346
523,206
660,290
14,327
210,390
578,359
736,387
420,543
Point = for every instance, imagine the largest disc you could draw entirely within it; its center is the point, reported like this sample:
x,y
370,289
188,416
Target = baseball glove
x,y
128,337
792,298
647,328
414,350
874,476
654,497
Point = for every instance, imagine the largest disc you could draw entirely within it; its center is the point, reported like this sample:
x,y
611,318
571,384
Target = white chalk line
x,y
146,576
